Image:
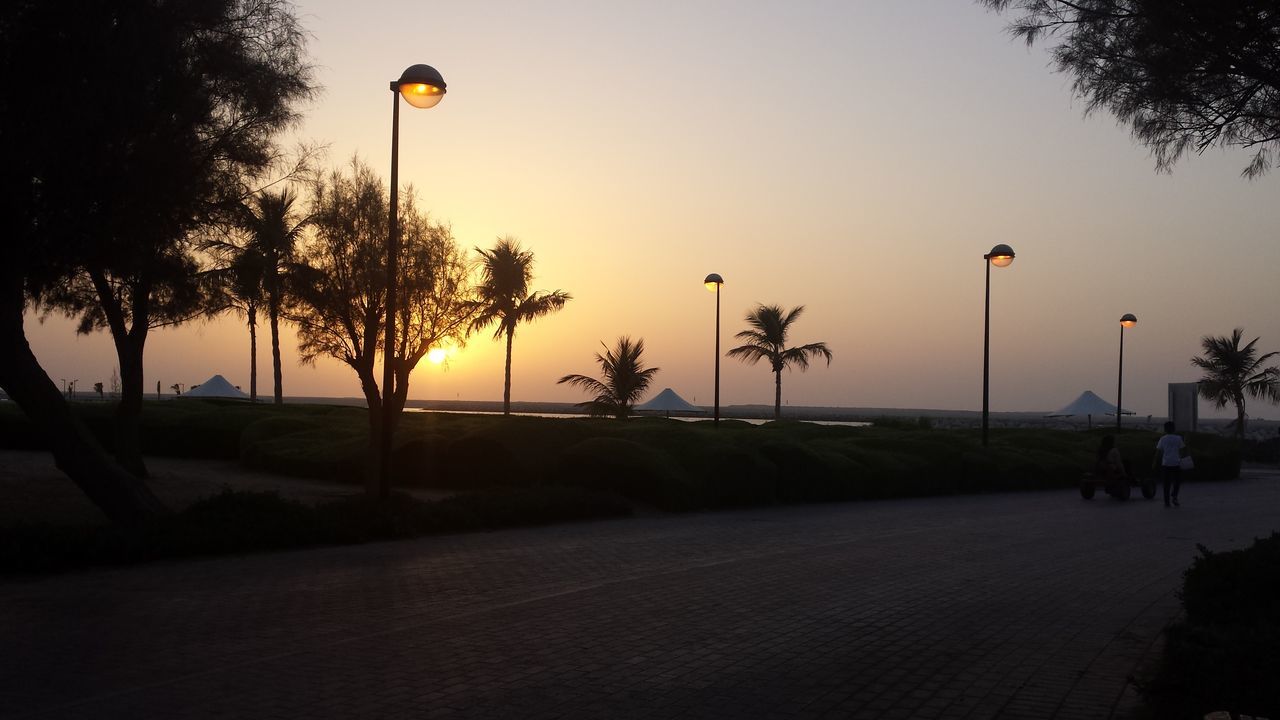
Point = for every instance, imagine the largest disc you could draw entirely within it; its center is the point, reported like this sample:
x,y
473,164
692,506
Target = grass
x,y
237,522
672,465
519,470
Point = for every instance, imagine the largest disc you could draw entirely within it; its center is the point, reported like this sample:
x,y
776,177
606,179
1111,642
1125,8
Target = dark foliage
x,y
1185,75
1223,655
237,522
668,464
127,128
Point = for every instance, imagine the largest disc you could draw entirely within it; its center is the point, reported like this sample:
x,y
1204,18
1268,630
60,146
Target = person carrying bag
x,y
1169,457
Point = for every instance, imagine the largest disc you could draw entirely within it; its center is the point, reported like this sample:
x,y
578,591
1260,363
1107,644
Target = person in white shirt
x,y
1169,456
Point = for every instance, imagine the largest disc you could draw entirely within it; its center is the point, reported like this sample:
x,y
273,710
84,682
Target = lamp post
x,y
1128,320
1001,256
422,87
713,283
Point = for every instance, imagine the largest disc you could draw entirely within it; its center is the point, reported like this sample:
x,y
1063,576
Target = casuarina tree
x,y
506,272
338,288
1184,75
108,182
766,339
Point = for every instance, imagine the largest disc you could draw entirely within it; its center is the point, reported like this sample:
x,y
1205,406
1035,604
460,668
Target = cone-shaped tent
x,y
216,387
668,402
1088,404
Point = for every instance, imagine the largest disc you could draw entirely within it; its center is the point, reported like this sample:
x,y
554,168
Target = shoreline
x,y
1259,428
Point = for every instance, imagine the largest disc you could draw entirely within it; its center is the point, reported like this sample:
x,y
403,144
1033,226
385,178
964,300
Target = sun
x,y
437,355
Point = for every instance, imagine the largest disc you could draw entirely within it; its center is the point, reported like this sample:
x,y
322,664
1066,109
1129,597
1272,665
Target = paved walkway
x,y
1031,605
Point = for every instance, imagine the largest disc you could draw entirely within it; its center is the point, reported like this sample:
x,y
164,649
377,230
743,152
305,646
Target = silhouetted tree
x,y
338,290
97,387
162,288
275,229
767,340
1183,74
254,256
624,379
506,271
106,181
239,279
1232,371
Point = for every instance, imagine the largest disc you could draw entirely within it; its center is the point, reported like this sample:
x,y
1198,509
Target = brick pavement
x,y
1035,605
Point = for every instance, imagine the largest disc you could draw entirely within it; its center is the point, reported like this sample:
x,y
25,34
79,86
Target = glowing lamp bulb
x,y
1001,255
421,95
1129,320
713,282
420,85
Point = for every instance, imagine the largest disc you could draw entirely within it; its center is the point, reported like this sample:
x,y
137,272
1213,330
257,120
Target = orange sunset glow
x,y
854,158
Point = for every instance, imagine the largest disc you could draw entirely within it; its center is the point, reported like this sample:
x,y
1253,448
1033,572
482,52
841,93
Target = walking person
x,y
1169,450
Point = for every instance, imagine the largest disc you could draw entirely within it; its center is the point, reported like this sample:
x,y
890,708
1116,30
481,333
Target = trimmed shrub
x,y
235,522
626,468
1222,656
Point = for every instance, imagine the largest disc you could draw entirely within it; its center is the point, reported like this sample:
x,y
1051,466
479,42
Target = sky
x,y
854,157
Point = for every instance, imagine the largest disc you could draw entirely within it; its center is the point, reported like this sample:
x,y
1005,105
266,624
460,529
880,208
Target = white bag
x,y
1187,463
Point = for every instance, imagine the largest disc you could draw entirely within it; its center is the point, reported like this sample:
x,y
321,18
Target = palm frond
x,y
750,354
1232,371
624,379
585,382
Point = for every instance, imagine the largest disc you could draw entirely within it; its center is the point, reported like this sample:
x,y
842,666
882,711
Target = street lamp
x,y
713,283
1001,256
422,87
1128,320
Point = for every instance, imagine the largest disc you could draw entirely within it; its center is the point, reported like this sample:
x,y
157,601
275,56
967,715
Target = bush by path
x,y
529,470
1223,654
670,464
236,522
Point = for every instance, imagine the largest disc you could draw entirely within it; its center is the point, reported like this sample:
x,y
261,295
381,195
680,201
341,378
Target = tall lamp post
x,y
1001,256
713,283
1128,320
422,87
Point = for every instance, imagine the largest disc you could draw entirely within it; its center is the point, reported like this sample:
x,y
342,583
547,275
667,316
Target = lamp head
x,y
1001,255
421,86
1128,320
713,282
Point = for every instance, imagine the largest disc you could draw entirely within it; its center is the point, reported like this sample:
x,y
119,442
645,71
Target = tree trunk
x,y
129,342
506,385
273,309
122,497
127,443
777,395
373,399
1240,418
253,353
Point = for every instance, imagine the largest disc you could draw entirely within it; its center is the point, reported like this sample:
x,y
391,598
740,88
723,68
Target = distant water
x,y
752,421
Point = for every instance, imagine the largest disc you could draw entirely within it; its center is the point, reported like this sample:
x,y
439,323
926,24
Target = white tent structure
x,y
667,402
216,387
1088,404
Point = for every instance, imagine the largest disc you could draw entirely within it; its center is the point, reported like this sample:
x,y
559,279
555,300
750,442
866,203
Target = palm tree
x,y
625,379
1231,372
238,277
767,340
244,286
274,230
507,270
